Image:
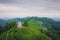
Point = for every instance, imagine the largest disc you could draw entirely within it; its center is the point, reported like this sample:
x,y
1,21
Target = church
x,y
19,24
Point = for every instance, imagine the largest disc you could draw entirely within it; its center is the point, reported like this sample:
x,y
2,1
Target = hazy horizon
x,y
24,8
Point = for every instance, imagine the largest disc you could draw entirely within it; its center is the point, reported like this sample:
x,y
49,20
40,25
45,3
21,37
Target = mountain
x,y
2,21
47,22
56,19
48,26
33,28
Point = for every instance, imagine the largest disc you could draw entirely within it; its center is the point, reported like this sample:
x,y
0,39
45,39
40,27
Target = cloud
x,y
23,8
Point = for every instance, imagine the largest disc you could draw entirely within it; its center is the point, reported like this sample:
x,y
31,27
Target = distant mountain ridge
x,y
56,19
3,21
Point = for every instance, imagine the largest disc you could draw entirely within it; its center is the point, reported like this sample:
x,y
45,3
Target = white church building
x,y
19,24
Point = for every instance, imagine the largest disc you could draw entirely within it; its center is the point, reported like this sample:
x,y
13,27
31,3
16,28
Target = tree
x,y
0,28
12,24
25,24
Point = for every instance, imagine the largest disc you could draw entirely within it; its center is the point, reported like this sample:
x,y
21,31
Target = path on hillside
x,y
7,35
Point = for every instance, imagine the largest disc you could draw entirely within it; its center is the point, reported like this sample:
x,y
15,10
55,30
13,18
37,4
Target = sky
x,y
24,8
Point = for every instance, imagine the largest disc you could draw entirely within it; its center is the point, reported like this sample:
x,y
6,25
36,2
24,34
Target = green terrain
x,y
33,28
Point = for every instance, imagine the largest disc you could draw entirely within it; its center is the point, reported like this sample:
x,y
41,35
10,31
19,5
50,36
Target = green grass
x,y
34,24
24,34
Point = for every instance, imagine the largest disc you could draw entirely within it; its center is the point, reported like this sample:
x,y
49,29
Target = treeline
x,y
7,26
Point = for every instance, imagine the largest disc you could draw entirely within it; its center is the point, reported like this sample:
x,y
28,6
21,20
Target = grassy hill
x,y
23,34
49,27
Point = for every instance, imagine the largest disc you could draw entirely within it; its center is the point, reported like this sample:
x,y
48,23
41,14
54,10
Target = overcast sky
x,y
23,8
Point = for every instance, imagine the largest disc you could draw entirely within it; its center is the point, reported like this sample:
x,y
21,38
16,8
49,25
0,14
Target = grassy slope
x,y
23,34
34,24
